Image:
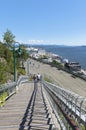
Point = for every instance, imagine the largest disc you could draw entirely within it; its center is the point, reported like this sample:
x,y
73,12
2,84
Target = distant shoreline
x,y
72,53
73,68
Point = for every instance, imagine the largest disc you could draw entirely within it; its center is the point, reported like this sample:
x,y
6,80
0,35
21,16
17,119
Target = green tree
x,y
8,37
7,59
3,77
24,53
6,63
22,56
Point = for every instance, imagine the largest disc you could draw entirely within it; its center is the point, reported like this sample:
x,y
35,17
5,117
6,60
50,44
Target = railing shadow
x,y
24,119
29,114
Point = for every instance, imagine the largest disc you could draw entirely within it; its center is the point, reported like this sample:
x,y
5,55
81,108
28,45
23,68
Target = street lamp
x,y
14,56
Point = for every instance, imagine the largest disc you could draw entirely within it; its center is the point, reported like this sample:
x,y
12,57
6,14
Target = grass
x,y
2,98
48,79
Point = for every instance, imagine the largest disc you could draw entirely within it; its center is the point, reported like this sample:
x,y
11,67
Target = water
x,y
75,53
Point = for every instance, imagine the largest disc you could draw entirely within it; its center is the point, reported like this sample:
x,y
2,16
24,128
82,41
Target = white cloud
x,y
35,41
38,41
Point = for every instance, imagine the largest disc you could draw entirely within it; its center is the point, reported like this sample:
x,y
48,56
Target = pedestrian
x,y
38,77
34,77
35,81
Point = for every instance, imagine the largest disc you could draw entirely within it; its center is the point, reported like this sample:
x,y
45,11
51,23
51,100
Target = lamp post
x,y
14,56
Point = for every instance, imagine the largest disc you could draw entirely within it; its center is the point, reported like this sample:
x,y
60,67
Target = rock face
x,y
2,60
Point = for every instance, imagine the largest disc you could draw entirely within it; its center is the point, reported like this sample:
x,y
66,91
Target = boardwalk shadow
x,y
24,119
27,120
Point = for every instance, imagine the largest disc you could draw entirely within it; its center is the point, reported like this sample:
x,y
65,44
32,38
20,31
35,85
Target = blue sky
x,y
61,22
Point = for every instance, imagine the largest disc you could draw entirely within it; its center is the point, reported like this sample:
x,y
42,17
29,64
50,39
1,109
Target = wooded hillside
x,y
7,59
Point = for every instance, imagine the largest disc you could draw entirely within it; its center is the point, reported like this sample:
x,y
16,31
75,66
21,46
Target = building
x,y
73,66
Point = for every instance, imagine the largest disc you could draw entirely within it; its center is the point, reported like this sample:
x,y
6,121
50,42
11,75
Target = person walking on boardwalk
x,y
38,77
35,81
34,77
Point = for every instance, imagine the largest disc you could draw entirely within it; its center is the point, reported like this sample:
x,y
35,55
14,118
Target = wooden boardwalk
x,y
26,110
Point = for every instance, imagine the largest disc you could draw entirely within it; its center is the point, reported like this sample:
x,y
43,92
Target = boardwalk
x,y
26,110
13,111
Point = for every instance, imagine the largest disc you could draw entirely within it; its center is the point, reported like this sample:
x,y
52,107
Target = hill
x,y
7,63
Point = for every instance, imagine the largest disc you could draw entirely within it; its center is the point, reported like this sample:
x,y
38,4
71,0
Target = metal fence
x,y
74,104
8,89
